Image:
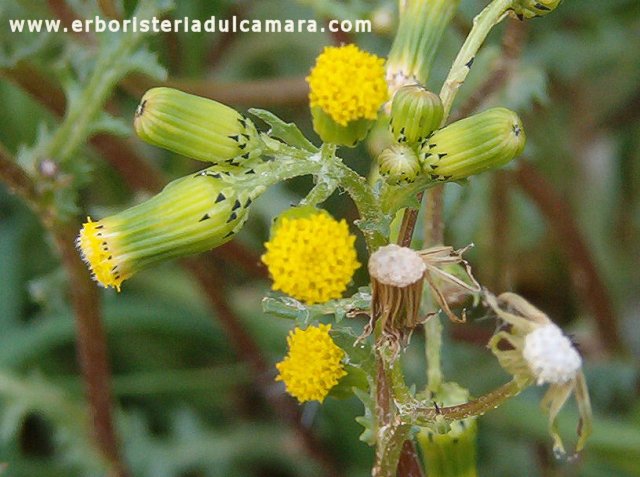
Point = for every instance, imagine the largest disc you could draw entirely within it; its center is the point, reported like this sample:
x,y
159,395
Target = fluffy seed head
x,y
550,355
396,266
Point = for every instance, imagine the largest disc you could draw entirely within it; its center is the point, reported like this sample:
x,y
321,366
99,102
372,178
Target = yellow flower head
x,y
348,84
311,257
313,365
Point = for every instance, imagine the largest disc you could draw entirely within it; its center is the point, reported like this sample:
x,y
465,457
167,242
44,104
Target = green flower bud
x,y
473,145
399,164
449,450
190,215
419,33
196,127
415,113
534,8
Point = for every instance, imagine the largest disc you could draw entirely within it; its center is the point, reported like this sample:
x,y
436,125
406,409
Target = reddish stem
x,y
91,346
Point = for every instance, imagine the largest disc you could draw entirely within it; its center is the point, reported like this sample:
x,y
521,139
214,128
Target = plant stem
x,y
91,345
482,25
433,347
109,69
416,413
17,179
91,342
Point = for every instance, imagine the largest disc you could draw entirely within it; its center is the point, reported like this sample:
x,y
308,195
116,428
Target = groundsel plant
x,y
311,255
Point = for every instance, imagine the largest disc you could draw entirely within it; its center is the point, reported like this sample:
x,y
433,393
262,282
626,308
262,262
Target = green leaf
x,y
288,132
368,419
359,352
289,308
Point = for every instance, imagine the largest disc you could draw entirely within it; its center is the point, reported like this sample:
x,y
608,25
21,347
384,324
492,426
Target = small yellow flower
x,y
313,365
312,258
348,83
347,86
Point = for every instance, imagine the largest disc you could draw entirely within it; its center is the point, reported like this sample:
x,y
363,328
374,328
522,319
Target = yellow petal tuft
x,y
311,258
313,365
97,252
348,84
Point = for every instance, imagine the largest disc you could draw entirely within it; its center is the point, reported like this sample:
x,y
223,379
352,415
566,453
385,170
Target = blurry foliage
x,y
186,406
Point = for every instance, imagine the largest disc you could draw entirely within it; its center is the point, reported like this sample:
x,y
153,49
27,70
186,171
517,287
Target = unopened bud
x,y
399,164
196,127
473,145
415,113
534,8
190,215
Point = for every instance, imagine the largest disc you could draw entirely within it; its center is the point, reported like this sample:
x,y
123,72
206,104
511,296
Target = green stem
x,y
110,68
417,413
482,25
433,347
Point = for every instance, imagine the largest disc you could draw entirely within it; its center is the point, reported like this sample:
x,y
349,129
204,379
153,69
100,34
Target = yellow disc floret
x,y
313,365
97,251
311,258
348,84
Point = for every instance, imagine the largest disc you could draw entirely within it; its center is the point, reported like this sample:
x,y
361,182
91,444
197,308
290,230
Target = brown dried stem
x,y
91,346
91,343
17,179
586,278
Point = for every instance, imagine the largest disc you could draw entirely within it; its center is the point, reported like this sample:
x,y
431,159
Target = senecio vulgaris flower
x,y
347,87
540,353
191,215
313,365
310,255
196,127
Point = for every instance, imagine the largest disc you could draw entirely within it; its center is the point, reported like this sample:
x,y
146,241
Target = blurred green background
x,y
561,227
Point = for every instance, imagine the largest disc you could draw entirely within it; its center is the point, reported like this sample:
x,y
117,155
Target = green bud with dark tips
x,y
196,127
534,8
479,143
415,113
399,164
190,215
